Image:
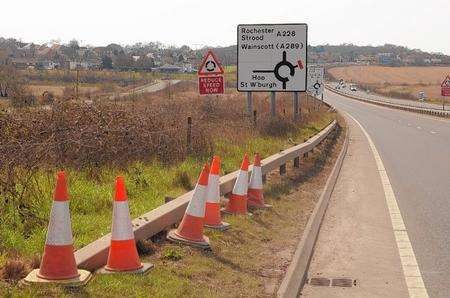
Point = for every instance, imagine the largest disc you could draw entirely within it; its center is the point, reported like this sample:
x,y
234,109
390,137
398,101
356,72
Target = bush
x,y
277,127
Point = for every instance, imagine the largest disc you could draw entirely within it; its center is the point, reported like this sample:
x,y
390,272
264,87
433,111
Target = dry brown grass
x,y
58,90
403,82
80,135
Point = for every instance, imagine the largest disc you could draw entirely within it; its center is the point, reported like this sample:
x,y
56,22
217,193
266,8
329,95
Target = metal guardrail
x,y
95,254
421,110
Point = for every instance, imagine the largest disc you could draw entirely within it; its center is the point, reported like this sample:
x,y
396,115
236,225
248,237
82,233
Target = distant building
x,y
78,65
47,64
167,68
436,60
24,63
386,59
3,57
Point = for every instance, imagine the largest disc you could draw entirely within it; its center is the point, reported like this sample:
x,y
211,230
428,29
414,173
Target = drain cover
x,y
332,282
319,281
343,282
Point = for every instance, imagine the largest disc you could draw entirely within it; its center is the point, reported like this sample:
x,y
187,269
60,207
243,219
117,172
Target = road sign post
x,y
295,99
315,80
249,103
273,108
272,57
210,85
445,90
210,75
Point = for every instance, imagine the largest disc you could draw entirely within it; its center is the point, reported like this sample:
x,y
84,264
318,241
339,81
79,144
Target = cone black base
x,y
231,213
81,280
222,227
144,269
172,236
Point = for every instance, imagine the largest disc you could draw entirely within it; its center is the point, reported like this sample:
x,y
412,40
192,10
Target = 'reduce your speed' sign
x,y
272,57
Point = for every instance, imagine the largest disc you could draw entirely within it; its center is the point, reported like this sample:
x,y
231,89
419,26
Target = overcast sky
x,y
420,24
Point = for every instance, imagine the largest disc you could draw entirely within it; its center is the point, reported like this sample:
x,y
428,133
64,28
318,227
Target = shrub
x,y
14,270
277,127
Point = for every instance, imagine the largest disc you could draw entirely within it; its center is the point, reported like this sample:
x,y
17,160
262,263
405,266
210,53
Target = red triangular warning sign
x,y
446,82
210,65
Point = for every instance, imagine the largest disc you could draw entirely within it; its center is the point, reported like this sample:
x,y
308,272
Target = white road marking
x,y
411,270
418,127
433,132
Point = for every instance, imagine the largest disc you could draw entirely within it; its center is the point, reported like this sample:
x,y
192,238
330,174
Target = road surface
x,y
413,103
149,88
358,239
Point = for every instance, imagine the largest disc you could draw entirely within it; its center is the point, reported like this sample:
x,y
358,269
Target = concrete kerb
x,y
94,255
295,276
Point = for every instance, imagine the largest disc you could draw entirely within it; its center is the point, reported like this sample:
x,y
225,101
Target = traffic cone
x,y
237,203
213,218
58,261
255,187
190,230
123,256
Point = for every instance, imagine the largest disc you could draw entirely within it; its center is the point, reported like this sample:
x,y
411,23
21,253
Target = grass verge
x,y
148,184
249,260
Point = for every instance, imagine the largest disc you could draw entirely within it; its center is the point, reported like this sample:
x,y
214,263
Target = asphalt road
x,y
149,88
414,103
415,150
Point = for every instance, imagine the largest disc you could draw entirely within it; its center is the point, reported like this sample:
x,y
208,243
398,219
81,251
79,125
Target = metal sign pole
x,y
273,111
307,101
295,106
249,103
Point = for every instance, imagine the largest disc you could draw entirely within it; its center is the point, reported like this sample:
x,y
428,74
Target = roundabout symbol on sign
x,y
317,85
276,70
210,65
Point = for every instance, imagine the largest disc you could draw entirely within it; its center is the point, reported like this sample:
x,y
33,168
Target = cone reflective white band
x,y
122,228
212,190
256,179
196,205
241,185
59,228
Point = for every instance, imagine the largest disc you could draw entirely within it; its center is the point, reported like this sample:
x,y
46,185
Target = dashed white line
x,y
433,132
418,127
411,270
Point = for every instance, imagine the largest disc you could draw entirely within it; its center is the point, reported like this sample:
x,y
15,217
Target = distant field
x,y
401,82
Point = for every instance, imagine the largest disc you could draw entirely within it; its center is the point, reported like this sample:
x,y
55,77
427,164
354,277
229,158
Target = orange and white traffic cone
x,y
255,187
237,203
213,218
123,256
58,262
190,230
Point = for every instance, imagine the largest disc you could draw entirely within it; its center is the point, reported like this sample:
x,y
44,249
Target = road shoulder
x,y
356,240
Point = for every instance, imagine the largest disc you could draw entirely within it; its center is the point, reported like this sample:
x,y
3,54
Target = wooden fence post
x,y
189,134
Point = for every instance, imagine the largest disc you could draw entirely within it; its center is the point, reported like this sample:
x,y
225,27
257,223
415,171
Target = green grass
x,y
234,267
91,193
